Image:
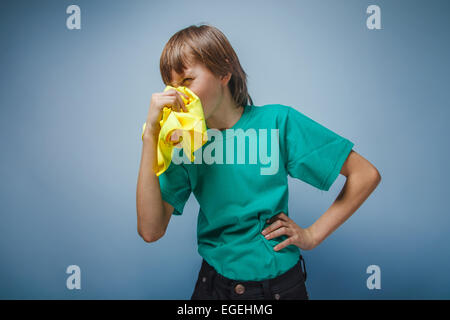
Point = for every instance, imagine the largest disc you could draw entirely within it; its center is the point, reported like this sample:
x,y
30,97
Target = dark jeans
x,y
290,285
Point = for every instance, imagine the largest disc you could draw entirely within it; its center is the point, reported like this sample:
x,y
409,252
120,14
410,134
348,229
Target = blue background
x,y
73,103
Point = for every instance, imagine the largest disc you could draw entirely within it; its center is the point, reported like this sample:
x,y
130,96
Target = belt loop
x,y
267,291
304,267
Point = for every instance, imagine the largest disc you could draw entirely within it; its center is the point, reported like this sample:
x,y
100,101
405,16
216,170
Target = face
x,y
207,86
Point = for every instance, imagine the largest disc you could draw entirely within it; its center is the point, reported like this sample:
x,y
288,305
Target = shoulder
x,y
271,109
275,109
279,112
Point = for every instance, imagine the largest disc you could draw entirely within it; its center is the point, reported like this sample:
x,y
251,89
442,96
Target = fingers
x,y
171,102
179,92
278,228
281,216
168,99
283,244
185,95
278,232
277,224
179,102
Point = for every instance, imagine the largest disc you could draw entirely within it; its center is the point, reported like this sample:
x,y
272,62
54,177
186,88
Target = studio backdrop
x,y
75,86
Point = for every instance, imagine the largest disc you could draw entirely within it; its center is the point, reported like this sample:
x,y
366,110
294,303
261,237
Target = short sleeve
x,y
313,153
175,186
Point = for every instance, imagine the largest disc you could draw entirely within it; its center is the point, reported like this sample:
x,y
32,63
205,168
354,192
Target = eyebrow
x,y
183,76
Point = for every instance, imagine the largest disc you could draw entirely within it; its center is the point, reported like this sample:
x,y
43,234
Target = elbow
x,y
375,175
147,229
151,237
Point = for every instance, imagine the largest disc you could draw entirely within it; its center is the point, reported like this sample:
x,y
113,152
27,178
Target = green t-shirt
x,y
236,197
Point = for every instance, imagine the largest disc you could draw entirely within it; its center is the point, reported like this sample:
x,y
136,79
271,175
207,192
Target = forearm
x,y
149,203
356,190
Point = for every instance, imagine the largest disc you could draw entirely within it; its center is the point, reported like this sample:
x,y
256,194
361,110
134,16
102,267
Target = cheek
x,y
208,92
204,95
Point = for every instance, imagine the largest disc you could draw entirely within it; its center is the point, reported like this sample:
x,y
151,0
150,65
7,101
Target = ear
x,y
225,79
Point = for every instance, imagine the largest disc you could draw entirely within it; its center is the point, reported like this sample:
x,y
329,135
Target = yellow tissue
x,y
191,124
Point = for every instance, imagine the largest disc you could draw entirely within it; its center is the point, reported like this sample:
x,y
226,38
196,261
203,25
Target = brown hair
x,y
208,45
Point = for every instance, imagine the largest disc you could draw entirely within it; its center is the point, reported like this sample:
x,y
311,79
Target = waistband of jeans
x,y
248,283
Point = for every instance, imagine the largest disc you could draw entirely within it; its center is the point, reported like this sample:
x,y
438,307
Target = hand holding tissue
x,y
191,125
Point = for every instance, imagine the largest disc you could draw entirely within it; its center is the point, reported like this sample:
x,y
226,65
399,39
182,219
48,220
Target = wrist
x,y
314,237
150,133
